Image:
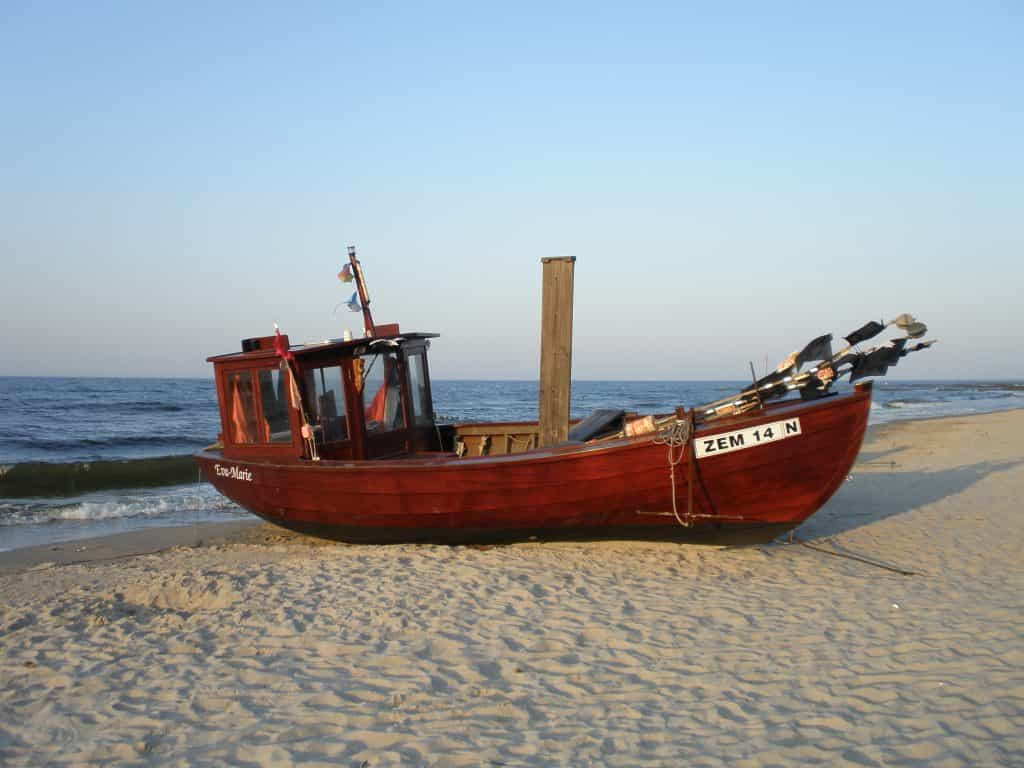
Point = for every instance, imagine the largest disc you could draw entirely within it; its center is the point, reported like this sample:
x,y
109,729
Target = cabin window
x,y
274,399
382,392
257,409
242,408
327,388
421,414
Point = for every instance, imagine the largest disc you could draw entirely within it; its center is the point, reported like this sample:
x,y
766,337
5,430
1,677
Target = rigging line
x,y
296,393
692,462
437,431
195,509
368,368
850,556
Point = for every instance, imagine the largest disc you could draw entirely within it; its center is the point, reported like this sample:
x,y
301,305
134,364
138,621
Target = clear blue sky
x,y
733,179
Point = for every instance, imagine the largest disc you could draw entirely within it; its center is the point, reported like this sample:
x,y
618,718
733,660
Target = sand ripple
x,y
625,654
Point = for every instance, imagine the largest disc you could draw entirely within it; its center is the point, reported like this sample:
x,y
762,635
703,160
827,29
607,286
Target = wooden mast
x,y
369,329
556,348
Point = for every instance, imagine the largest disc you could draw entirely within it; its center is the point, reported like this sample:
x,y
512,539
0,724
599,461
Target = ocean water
x,y
89,457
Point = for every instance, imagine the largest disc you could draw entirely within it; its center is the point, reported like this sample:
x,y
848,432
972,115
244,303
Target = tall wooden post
x,y
555,348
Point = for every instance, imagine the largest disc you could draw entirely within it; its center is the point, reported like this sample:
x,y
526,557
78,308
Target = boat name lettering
x,y
235,473
747,438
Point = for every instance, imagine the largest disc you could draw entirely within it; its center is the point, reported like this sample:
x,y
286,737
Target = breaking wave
x,y
909,403
984,386
46,479
180,503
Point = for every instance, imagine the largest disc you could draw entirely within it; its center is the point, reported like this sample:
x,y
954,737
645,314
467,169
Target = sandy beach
x,y
246,645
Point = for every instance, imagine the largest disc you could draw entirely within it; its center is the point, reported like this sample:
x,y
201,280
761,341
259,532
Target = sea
x,y
84,457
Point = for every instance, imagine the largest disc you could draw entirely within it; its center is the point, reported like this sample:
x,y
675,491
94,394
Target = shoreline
x,y
146,541
157,538
917,419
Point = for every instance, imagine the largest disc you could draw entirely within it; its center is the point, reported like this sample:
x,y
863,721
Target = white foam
x,y
139,505
107,510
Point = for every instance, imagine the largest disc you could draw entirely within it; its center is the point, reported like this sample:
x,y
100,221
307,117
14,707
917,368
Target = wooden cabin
x,y
362,399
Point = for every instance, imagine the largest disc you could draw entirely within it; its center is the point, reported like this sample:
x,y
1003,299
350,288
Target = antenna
x,y
369,329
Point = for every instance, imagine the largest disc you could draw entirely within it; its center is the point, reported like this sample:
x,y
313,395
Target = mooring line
x,y
850,556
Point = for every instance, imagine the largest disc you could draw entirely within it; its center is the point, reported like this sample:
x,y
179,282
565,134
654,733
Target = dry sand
x,y
264,648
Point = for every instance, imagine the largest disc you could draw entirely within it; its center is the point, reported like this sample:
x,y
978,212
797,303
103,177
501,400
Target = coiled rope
x,y
676,436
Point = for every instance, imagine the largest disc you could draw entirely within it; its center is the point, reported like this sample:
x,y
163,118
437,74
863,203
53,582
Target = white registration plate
x,y
751,437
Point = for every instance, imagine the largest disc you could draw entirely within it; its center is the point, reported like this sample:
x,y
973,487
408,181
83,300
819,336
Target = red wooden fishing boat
x,y
339,439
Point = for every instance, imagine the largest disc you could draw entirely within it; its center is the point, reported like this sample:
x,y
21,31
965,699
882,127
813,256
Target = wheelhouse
x,y
336,400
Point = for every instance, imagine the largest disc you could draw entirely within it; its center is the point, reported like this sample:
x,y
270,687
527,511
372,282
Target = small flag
x,y
877,361
865,332
346,274
353,303
281,349
817,349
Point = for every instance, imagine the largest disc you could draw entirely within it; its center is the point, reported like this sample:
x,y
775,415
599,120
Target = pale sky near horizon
x,y
733,178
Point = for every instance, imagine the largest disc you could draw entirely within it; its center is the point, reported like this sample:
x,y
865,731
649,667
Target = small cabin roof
x,y
346,348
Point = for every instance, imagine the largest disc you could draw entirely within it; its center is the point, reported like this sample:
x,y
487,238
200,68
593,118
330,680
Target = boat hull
x,y
741,493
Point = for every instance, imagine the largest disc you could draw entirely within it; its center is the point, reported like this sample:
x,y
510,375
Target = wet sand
x,y
241,644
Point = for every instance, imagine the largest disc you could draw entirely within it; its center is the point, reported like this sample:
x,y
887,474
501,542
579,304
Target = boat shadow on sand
x,y
878,490
880,457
